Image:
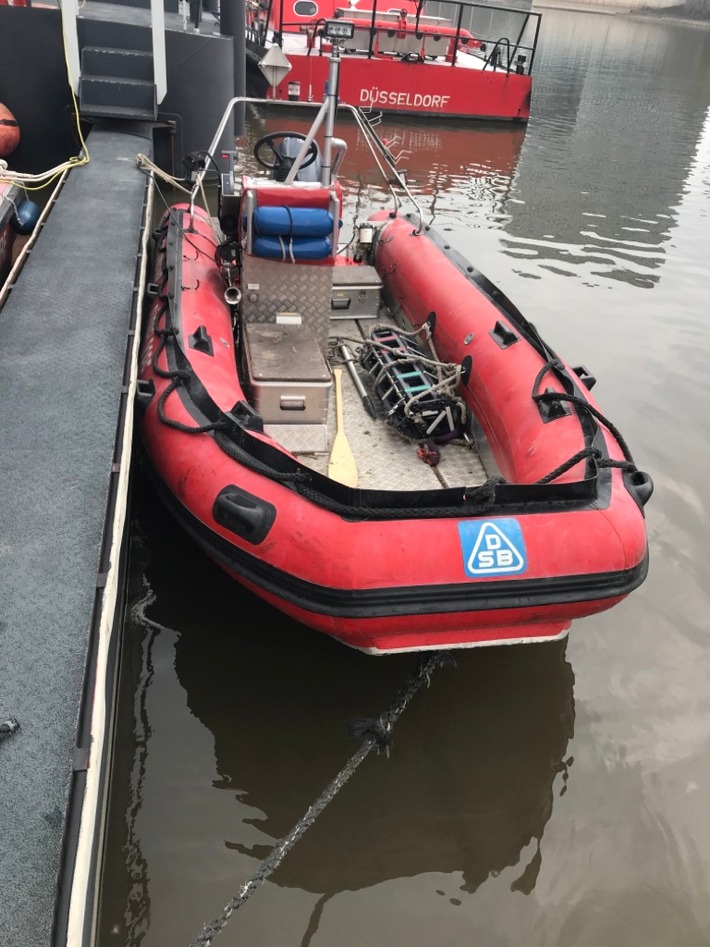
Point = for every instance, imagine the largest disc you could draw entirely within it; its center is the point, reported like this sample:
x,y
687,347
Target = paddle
x,y
341,463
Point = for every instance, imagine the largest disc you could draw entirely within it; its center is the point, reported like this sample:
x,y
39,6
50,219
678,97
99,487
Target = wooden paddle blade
x,y
341,463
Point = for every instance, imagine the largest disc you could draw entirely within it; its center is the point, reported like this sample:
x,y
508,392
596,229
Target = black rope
x,y
548,397
558,396
176,376
250,463
483,496
592,452
477,499
171,216
8,727
178,425
376,735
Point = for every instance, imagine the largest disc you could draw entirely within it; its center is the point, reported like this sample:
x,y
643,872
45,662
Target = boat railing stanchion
x,y
213,145
375,144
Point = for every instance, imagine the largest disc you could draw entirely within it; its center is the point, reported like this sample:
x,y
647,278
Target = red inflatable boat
x,y
375,440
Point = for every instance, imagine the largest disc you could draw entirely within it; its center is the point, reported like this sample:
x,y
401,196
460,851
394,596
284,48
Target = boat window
x,y
305,8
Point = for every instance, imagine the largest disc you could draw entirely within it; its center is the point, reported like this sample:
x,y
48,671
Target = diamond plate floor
x,y
385,460
63,340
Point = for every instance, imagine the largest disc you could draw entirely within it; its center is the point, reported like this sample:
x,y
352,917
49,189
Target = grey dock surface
x,y
65,332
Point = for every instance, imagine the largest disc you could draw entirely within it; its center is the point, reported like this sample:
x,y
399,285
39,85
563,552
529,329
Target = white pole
x,y
160,70
70,11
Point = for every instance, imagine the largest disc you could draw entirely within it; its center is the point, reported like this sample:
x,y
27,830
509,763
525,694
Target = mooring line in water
x,y
377,735
8,726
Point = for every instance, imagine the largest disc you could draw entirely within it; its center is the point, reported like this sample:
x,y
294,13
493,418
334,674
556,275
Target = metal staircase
x,y
117,82
118,68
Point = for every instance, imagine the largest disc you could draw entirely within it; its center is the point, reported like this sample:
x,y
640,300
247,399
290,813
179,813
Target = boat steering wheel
x,y
279,160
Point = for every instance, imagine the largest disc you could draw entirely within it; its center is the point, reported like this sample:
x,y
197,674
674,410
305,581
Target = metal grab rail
x,y
366,20
494,59
384,160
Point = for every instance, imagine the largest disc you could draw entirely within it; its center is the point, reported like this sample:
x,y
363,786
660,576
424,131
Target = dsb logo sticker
x,y
492,547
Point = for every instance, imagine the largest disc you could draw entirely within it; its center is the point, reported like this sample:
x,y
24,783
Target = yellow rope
x,y
35,182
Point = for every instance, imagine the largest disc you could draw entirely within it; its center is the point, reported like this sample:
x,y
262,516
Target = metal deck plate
x,y
385,460
63,342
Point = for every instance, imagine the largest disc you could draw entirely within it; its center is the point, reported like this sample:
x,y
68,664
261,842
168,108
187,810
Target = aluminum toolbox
x,y
356,292
288,375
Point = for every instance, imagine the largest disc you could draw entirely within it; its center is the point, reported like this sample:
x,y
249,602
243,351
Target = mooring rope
x,y
7,727
376,735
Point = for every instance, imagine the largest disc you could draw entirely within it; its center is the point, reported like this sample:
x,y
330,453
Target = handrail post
x,y
373,30
534,45
70,11
519,40
457,38
160,70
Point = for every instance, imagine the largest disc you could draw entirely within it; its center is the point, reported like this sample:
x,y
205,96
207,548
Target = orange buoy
x,y
9,132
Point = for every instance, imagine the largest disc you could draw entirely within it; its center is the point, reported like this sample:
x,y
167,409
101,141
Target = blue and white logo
x,y
492,547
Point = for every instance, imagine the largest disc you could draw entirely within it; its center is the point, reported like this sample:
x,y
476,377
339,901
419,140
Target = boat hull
x,y
9,198
400,87
393,618
340,560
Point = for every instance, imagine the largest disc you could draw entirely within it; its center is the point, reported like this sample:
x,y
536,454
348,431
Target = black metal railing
x,y
503,37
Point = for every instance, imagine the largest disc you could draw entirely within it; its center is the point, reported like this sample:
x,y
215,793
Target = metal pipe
x,y
349,359
373,30
373,142
317,122
331,97
457,38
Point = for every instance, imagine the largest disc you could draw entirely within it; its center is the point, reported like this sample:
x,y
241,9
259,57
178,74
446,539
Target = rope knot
x,y
373,729
547,396
8,727
484,495
440,659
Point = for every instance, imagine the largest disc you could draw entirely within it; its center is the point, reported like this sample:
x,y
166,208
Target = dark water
x,y
548,795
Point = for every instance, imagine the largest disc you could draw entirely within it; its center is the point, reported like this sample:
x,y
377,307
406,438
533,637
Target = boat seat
x,y
289,234
300,233
293,223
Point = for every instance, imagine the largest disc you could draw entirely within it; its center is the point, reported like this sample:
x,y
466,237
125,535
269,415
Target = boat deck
x,y
296,44
65,335
384,459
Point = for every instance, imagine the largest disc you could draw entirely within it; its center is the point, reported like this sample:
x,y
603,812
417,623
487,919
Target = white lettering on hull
x,y
377,96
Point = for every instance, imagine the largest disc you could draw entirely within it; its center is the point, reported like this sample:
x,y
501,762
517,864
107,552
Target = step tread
x,y
88,77
117,111
142,53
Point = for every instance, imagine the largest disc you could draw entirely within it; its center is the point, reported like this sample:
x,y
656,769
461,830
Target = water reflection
x,y
447,165
618,110
467,788
233,718
592,188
